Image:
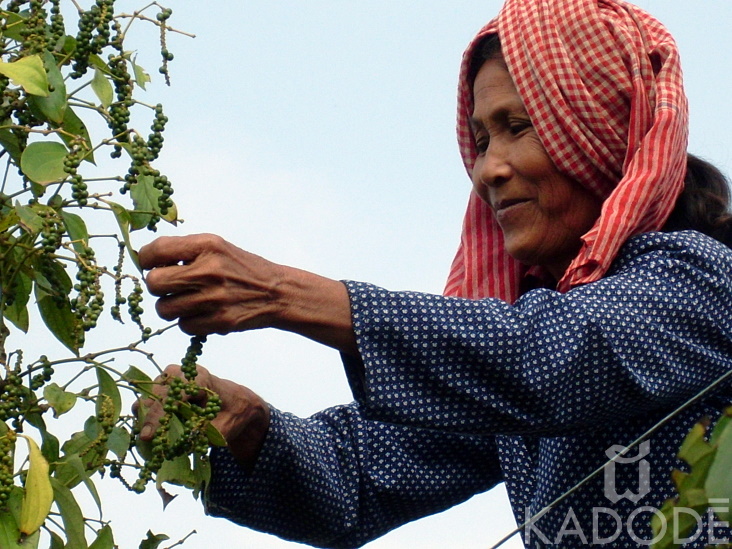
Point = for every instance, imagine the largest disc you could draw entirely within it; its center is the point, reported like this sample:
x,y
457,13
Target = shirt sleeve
x,y
648,336
338,480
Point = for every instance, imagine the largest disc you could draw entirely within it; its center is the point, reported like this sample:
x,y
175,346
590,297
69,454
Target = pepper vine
x,y
62,67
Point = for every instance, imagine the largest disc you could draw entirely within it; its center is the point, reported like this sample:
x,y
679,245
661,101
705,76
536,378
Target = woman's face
x,y
542,213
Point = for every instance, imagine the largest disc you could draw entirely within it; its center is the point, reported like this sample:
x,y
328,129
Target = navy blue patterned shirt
x,y
454,395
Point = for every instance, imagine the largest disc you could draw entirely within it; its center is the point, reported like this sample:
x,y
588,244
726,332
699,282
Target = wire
x,y
617,456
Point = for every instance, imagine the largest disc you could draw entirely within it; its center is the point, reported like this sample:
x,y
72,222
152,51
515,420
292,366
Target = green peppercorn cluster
x,y
11,396
40,379
34,34
194,439
143,152
134,309
188,364
163,17
119,111
155,139
93,36
89,302
57,30
7,451
119,299
72,161
53,230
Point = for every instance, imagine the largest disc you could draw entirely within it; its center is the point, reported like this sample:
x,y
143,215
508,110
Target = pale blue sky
x,y
321,135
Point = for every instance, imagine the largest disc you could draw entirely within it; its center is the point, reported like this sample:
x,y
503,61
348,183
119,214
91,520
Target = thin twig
x,y
181,541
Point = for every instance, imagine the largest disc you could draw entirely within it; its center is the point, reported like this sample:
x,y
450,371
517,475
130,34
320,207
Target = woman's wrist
x,y
316,307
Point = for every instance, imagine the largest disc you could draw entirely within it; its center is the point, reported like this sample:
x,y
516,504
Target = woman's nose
x,y
491,169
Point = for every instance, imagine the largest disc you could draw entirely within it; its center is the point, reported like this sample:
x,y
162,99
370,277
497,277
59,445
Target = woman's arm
x,y
644,339
334,479
211,286
338,480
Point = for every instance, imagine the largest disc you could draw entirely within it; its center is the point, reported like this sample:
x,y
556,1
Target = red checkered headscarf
x,y
601,81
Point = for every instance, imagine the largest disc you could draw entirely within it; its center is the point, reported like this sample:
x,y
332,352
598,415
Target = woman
x,y
570,325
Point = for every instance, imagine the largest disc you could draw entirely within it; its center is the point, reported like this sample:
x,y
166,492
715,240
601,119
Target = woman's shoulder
x,y
690,247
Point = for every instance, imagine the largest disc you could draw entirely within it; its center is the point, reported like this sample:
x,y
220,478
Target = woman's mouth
x,y
507,203
508,208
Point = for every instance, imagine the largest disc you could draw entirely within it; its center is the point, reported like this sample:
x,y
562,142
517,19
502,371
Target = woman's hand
x,y
243,419
211,286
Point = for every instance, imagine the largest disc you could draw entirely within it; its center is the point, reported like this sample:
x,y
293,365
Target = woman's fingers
x,y
210,285
172,250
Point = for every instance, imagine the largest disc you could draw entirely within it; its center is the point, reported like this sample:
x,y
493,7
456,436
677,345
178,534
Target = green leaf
x,y
10,537
38,492
80,474
119,441
721,425
9,142
9,532
212,433
153,541
57,541
62,283
8,218
14,25
202,473
92,428
43,162
29,219
50,447
75,126
61,322
124,221
98,62
17,312
78,443
140,380
61,401
53,106
29,73
719,481
145,199
70,515
77,230
694,447
104,540
141,77
18,315
108,390
177,471
102,88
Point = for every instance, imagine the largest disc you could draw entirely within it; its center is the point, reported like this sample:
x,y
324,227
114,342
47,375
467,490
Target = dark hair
x,y
489,47
704,204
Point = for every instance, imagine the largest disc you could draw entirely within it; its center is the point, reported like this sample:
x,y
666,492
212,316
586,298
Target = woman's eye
x,y
519,126
481,144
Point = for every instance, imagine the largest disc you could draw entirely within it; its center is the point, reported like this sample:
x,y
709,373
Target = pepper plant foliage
x,y
66,74
705,487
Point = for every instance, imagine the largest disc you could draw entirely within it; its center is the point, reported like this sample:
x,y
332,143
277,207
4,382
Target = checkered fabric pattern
x,y
601,81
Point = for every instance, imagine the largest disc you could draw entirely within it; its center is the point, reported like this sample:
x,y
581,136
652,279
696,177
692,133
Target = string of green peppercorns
x,y
98,18
7,451
162,18
89,302
34,32
58,29
52,231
